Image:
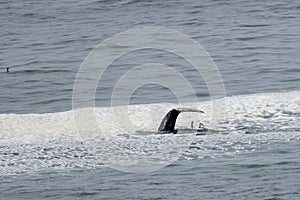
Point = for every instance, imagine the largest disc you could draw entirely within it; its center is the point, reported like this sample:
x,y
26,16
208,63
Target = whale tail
x,y
169,121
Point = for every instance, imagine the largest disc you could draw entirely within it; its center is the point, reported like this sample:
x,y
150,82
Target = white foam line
x,y
263,111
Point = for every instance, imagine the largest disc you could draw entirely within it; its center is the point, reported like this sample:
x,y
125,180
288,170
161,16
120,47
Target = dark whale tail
x,y
169,121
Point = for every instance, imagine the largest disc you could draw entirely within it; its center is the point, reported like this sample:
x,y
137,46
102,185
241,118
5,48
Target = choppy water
x,y
254,44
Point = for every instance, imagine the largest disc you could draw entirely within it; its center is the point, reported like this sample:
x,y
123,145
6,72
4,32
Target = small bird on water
x,y
7,69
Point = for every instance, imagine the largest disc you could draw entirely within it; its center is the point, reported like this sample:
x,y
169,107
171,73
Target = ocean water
x,y
253,154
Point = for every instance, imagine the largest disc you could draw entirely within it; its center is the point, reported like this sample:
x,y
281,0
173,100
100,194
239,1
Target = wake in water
x,y
32,142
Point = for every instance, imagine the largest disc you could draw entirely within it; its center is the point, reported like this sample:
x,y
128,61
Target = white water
x,y
32,141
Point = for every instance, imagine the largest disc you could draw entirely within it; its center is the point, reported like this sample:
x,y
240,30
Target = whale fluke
x,y
169,121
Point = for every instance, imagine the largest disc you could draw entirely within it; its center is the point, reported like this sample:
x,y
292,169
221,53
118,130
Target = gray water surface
x,y
255,45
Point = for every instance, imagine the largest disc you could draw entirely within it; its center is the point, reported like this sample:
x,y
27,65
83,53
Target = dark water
x,y
269,173
255,45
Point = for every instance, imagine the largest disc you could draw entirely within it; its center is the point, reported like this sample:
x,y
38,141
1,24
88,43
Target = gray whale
x,y
167,125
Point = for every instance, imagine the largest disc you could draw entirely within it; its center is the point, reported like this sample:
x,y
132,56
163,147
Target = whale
x,y
168,123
